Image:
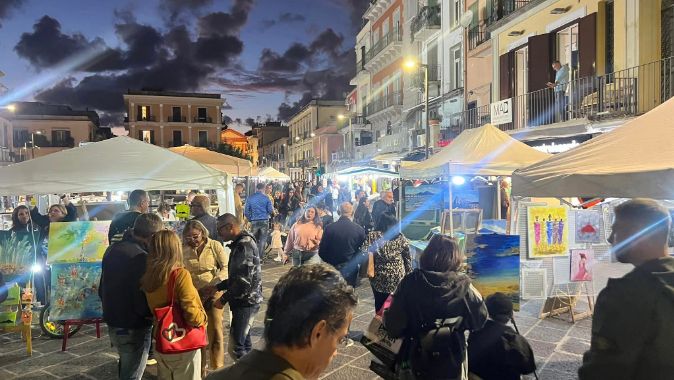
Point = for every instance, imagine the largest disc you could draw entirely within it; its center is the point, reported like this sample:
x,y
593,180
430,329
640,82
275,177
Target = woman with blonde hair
x,y
165,256
206,260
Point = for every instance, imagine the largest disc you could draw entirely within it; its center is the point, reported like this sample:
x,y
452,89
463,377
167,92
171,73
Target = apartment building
x,y
273,145
170,119
312,135
235,138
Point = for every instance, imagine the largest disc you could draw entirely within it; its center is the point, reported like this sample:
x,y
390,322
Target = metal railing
x,y
202,119
433,75
477,36
394,35
500,9
176,119
428,17
383,102
146,118
625,93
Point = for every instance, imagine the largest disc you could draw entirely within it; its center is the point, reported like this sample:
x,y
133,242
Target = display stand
x,y
562,302
79,322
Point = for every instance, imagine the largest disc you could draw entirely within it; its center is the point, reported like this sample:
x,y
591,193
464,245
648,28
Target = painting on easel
x,y
547,229
582,261
493,262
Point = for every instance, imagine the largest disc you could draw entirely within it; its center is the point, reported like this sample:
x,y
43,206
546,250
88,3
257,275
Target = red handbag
x,y
173,335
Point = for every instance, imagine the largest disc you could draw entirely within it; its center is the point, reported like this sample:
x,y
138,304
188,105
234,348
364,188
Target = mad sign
x,y
502,112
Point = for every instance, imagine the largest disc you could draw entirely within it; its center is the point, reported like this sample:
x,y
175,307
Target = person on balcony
x,y
561,81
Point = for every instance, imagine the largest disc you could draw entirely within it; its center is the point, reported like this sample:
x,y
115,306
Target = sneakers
x,y
278,259
151,360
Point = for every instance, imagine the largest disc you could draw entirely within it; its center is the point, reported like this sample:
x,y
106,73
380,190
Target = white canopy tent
x,y
117,164
234,166
272,174
635,160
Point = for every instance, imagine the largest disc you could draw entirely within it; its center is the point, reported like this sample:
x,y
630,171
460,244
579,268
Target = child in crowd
x,y
497,351
276,245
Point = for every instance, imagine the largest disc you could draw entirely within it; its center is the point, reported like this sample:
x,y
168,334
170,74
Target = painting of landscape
x,y
494,265
429,196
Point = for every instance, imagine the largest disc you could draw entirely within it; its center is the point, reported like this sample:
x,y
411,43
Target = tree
x,y
229,150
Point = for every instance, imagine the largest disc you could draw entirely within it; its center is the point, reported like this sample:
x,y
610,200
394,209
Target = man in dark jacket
x,y
632,329
243,288
125,308
384,205
497,352
341,243
139,203
200,207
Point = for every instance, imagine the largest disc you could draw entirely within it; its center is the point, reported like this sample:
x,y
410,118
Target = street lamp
x,y
411,64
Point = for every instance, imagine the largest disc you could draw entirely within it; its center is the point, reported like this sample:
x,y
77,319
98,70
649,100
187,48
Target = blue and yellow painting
x,y
493,262
74,291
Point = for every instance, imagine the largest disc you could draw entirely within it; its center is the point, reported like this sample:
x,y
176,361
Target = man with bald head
x,y
632,328
385,205
341,242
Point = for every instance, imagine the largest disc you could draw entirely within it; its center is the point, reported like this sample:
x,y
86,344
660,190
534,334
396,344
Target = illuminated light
x,y
458,180
410,64
313,134
340,116
11,108
297,138
556,148
36,268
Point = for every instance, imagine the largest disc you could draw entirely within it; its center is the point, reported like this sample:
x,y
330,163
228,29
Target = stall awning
x,y
481,151
117,164
271,173
234,166
635,160
366,171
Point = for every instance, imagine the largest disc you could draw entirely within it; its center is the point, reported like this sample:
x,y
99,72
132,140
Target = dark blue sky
x,y
257,53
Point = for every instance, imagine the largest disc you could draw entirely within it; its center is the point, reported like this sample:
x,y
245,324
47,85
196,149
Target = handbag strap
x,y
170,287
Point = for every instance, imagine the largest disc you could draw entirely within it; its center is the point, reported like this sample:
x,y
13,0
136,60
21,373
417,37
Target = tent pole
x,y
498,198
451,201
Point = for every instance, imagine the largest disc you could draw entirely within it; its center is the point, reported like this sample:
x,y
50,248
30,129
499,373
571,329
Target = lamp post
x,y
412,64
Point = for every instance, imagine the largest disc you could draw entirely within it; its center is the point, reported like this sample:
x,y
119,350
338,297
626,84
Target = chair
x,y
13,319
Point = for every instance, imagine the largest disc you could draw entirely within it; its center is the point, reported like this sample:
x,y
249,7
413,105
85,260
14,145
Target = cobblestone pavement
x,y
558,346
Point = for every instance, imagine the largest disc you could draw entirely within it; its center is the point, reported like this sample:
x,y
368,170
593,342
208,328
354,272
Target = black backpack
x,y
438,351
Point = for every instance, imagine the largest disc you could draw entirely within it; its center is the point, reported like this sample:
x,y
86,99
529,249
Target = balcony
x,y
426,22
146,118
477,36
433,76
202,119
389,46
502,9
618,95
176,119
382,103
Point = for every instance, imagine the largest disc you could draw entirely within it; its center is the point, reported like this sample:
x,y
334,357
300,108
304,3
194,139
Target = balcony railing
x,y
625,93
202,119
176,143
433,75
145,118
428,17
394,35
477,35
176,119
383,102
501,9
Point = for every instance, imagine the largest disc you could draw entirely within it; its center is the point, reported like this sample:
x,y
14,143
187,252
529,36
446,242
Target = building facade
x,y
170,119
6,154
318,117
236,139
273,145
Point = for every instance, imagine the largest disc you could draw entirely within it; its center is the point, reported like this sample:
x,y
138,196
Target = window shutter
x,y
152,137
587,45
505,80
540,62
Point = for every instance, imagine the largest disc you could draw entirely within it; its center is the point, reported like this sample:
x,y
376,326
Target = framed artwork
x,y
547,232
426,196
588,227
17,254
75,242
582,261
74,291
494,265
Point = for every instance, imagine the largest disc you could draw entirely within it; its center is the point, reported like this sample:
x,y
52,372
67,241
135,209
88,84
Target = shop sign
x,y
502,112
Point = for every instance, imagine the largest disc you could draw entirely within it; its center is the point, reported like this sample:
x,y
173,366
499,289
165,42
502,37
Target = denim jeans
x,y
239,331
260,230
132,346
304,257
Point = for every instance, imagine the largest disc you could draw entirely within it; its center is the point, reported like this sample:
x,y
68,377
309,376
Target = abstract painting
x,y
588,227
74,242
547,229
17,255
493,262
74,291
582,261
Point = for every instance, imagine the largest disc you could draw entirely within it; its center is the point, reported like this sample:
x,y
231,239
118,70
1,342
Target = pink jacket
x,y
303,237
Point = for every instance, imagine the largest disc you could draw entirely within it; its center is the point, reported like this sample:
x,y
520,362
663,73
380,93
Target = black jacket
x,y
443,297
380,207
210,222
497,352
124,304
341,241
121,223
363,218
244,283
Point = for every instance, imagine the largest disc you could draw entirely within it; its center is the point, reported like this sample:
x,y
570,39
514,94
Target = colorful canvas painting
x,y
427,196
73,242
588,227
17,255
493,262
582,261
74,291
547,232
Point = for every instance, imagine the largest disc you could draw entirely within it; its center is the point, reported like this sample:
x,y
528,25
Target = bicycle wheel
x,y
54,329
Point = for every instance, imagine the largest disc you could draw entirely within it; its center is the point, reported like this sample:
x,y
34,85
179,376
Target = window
x,y
21,137
385,27
202,115
61,138
177,138
457,69
144,113
456,12
203,138
176,114
146,136
396,20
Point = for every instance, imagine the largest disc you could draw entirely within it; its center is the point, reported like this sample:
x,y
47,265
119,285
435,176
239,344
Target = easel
x,y
79,322
561,302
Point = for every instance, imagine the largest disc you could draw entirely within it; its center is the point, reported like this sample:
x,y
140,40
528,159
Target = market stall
x,y
372,180
234,166
271,174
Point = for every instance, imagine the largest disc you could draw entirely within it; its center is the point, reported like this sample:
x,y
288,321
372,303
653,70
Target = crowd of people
x,y
216,291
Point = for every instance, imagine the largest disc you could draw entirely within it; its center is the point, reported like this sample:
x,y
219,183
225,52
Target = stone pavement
x,y
558,346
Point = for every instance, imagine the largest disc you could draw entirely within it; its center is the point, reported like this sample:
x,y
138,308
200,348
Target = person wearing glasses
x,y
301,333
206,260
200,208
139,203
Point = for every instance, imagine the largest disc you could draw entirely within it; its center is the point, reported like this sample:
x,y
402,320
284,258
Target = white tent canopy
x,y
271,173
484,151
635,160
231,165
363,170
117,164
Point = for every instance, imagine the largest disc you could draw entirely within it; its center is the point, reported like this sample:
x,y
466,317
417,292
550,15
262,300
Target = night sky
x,y
264,56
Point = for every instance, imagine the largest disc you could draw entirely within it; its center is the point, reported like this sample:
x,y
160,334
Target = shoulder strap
x,y
170,287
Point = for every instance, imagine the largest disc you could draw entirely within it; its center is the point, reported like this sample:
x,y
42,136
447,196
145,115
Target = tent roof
x,y
635,160
362,170
231,165
117,164
482,151
271,173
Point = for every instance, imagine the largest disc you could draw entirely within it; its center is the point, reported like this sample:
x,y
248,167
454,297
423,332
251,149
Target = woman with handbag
x,y
206,260
180,318
304,238
388,258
